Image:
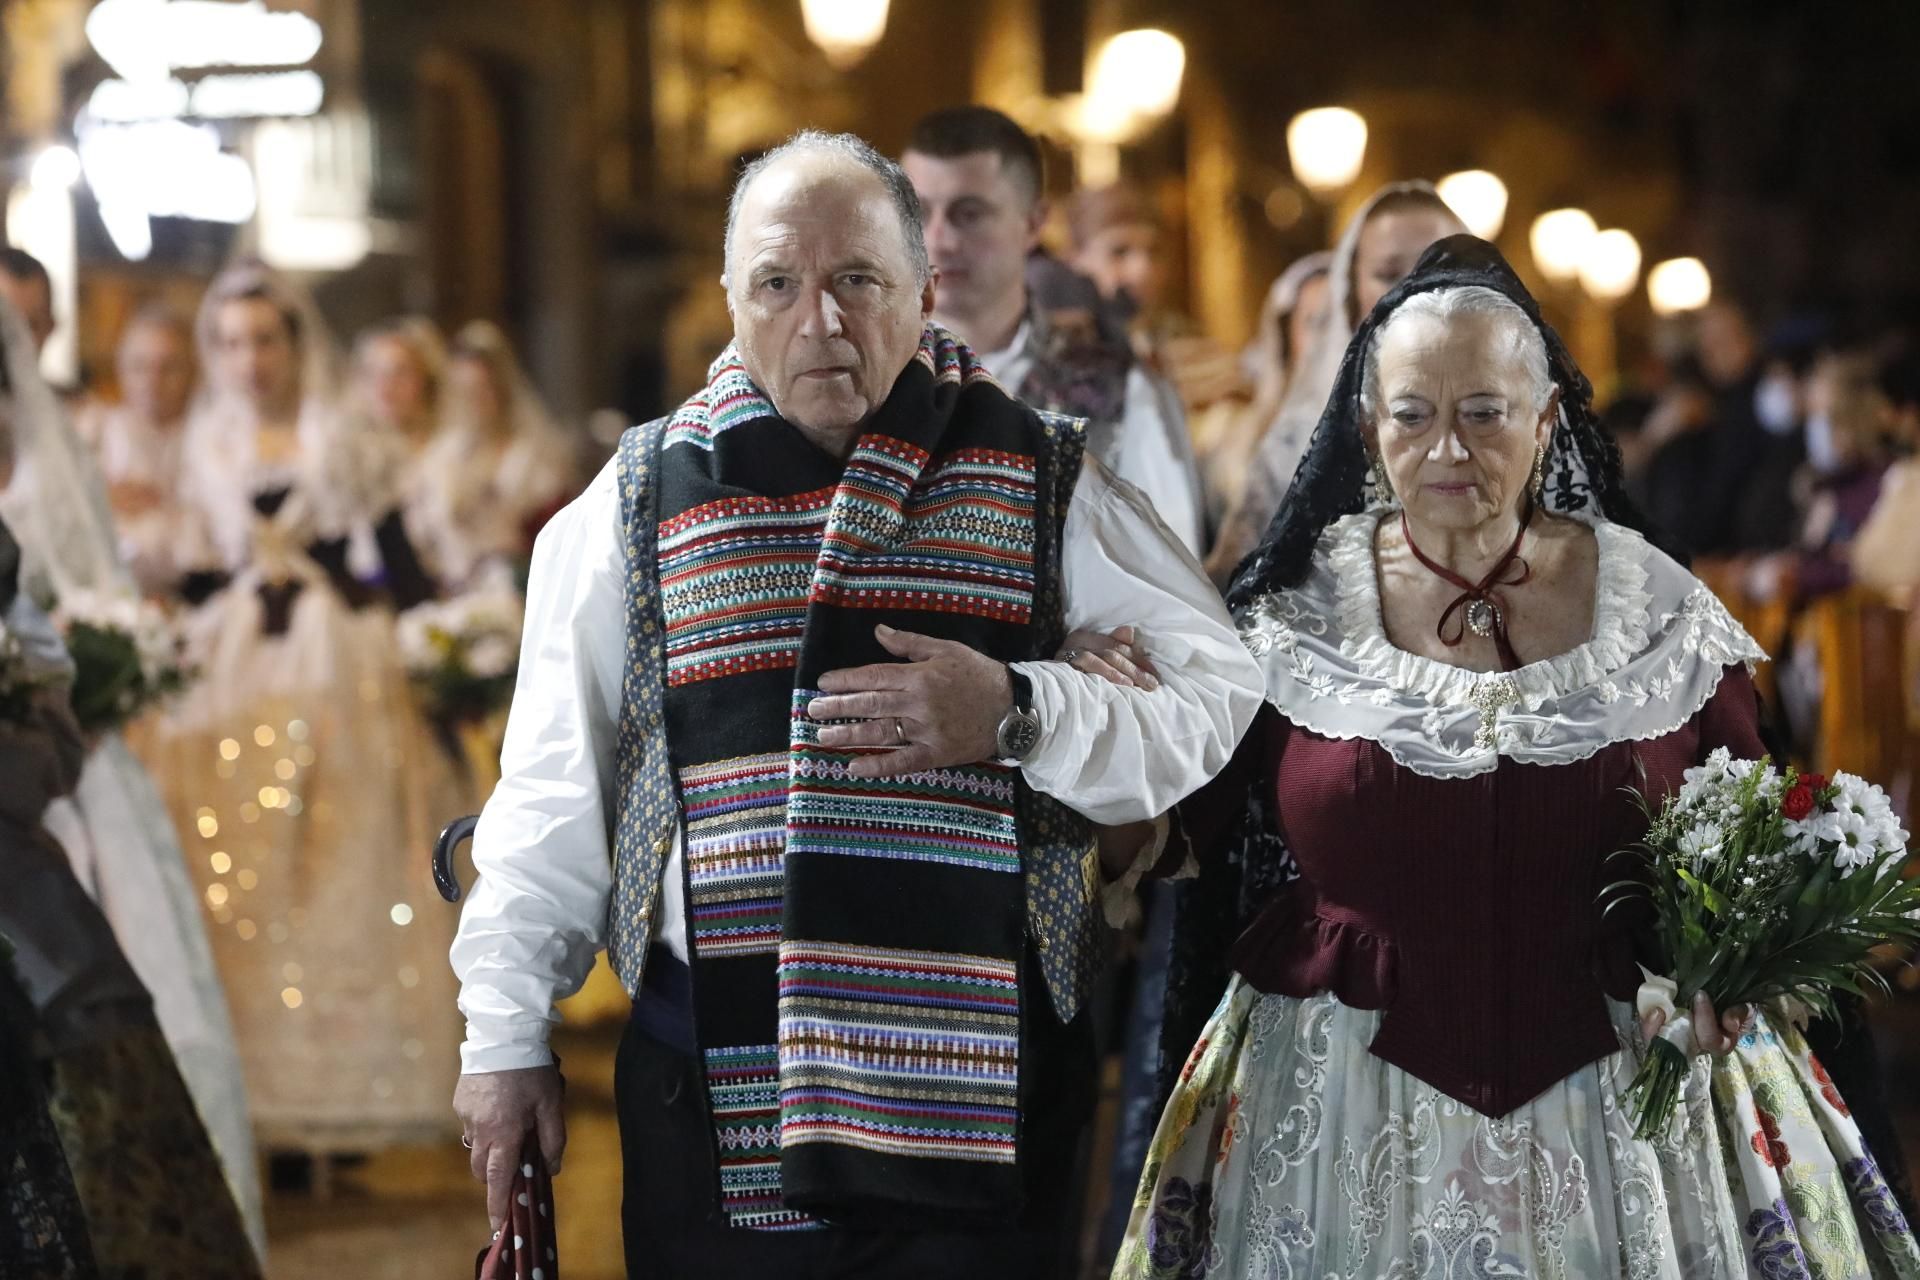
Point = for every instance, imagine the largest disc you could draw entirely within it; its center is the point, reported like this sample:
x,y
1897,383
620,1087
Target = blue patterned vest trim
x,y
1057,850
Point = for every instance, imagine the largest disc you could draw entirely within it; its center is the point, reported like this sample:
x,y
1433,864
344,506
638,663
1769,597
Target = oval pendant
x,y
1482,617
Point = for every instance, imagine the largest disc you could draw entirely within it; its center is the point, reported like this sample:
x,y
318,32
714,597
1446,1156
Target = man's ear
x,y
927,293
1036,222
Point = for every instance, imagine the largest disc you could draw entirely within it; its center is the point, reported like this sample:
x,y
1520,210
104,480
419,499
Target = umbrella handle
x,y
456,832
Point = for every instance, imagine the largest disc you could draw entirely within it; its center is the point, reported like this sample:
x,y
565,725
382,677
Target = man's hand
x,y
496,1109
941,707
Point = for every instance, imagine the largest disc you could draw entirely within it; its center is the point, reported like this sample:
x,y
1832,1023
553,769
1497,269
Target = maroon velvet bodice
x,y
1467,909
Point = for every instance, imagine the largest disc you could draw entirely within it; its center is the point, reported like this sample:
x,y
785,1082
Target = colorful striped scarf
x,y
857,946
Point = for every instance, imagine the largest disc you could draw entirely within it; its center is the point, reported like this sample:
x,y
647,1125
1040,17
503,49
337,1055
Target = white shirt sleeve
x,y
1125,755
537,914
1154,453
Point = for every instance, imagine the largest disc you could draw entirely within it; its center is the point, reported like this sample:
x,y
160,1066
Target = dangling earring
x,y
1381,491
1539,473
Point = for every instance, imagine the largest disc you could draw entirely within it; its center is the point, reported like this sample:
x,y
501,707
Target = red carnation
x,y
1815,781
1797,803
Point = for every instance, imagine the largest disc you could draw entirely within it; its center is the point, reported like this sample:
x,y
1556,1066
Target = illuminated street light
x,y
845,30
1611,266
1327,146
1560,241
1139,72
1679,284
1479,198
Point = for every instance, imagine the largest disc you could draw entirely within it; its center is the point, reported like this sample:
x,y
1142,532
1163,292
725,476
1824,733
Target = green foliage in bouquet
x,y
1763,886
111,682
451,688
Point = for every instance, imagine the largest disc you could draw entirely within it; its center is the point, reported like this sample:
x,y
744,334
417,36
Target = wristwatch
x,y
1019,731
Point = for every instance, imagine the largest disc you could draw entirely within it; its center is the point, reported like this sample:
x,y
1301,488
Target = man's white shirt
x,y
537,915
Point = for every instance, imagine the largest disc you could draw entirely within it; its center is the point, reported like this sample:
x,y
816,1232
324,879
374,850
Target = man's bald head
x,y
813,156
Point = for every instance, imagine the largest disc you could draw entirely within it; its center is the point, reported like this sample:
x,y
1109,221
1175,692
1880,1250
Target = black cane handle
x,y
456,832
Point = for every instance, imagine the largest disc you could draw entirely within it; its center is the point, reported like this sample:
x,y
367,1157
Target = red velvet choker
x,y
1479,607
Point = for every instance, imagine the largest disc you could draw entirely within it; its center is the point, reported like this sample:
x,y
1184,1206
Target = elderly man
x,y
981,186
788,741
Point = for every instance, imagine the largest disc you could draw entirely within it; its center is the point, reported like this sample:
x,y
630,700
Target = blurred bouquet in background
x,y
462,654
127,656
1764,885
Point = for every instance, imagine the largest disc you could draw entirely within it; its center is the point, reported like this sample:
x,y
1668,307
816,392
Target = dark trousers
x,y
670,1212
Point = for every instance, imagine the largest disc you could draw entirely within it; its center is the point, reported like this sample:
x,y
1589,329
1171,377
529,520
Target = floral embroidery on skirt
x,y
1290,1152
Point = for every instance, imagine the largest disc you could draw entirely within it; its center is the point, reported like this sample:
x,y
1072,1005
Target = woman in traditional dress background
x,y
105,1165
1472,649
115,828
139,442
1290,318
1379,246
297,760
496,470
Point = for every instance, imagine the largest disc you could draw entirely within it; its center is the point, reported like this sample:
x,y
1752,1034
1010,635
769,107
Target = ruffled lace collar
x,y
1660,642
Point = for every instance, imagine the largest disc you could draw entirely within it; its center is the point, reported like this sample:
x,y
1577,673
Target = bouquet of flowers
x,y
463,653
126,656
1765,885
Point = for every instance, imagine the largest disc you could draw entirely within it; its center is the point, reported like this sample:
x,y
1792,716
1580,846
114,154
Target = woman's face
x,y
1457,425
1389,245
1303,322
254,351
394,383
471,382
156,372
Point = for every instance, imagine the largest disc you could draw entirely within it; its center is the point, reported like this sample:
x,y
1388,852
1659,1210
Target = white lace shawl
x,y
1660,644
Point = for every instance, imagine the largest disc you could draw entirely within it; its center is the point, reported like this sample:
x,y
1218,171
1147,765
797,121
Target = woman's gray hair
x,y
1528,347
847,146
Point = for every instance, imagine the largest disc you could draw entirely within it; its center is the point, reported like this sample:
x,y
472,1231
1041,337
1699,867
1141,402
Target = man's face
x,y
981,223
1125,258
826,307
34,301
156,372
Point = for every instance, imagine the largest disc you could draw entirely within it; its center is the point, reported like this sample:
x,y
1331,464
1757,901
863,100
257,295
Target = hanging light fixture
x,y
1611,266
1479,198
845,30
1679,284
1559,240
1327,146
1139,72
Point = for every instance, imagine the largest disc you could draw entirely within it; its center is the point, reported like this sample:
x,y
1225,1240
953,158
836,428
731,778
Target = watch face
x,y
1019,734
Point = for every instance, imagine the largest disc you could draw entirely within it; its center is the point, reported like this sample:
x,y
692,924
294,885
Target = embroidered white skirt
x,y
1288,1151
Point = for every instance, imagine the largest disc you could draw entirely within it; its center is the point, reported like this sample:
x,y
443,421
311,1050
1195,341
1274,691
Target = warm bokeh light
x,y
1560,240
56,168
845,30
1679,284
1479,198
1327,146
1611,267
1139,71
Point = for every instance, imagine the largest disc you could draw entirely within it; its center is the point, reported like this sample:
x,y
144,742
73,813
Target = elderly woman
x,y
1420,1062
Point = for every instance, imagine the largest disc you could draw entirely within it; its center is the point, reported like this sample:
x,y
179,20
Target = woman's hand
x,y
1115,657
1711,1034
